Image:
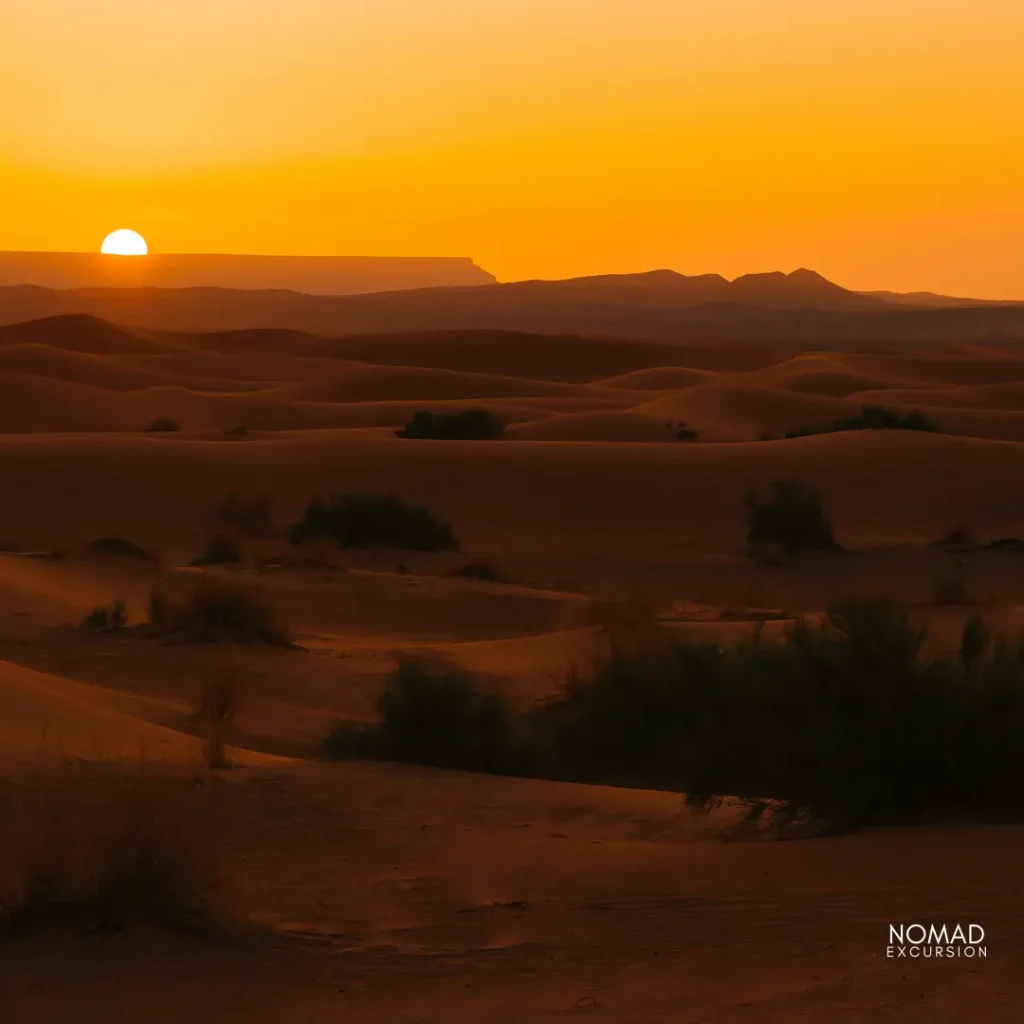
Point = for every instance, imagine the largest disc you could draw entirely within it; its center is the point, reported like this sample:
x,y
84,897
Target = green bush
x,y
221,549
790,516
466,425
371,521
684,432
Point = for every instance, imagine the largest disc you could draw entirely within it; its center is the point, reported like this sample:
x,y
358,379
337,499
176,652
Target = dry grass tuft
x,y
112,846
216,709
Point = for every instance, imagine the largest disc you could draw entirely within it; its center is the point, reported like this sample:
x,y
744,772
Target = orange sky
x,y
878,141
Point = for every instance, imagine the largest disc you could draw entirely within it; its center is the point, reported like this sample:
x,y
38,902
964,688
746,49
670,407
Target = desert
x,y
142,461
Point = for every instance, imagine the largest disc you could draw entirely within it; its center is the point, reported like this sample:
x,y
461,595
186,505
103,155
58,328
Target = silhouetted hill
x,y
80,333
799,307
314,275
934,300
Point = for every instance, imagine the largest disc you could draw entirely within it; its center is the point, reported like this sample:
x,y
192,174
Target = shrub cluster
x,y
118,547
217,612
107,618
789,516
221,549
163,426
432,716
484,572
466,425
247,514
372,521
844,722
870,417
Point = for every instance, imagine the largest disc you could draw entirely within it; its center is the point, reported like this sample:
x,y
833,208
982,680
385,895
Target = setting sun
x,y
124,243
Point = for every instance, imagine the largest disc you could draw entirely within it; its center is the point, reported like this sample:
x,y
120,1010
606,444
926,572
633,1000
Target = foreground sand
x,y
394,893
403,894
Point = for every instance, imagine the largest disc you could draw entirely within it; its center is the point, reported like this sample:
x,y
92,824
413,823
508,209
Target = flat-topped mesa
x,y
314,275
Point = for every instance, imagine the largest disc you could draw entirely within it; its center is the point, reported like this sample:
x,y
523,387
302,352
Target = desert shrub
x,y
951,589
105,619
248,514
161,610
221,549
465,425
684,432
354,741
872,417
111,846
240,431
435,716
842,722
958,536
117,547
216,709
485,572
975,641
370,521
163,426
790,516
218,612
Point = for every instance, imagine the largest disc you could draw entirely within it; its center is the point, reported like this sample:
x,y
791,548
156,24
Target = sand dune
x,y
1008,396
733,412
81,334
516,497
385,889
563,358
602,425
658,378
365,383
47,717
111,373
825,374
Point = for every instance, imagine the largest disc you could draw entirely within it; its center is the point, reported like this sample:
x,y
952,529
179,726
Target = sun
x,y
124,243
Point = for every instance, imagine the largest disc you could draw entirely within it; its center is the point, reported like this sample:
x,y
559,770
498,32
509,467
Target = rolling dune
x,y
379,889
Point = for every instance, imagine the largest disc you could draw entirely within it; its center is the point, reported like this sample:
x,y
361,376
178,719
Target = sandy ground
x,y
395,893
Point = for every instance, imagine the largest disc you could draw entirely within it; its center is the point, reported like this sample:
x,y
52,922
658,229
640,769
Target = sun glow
x,y
124,243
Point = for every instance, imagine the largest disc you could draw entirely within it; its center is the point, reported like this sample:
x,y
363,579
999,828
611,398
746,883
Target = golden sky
x,y
880,142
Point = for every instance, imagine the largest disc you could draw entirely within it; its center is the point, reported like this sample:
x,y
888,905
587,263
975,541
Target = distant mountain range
x,y
931,299
801,306
314,275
